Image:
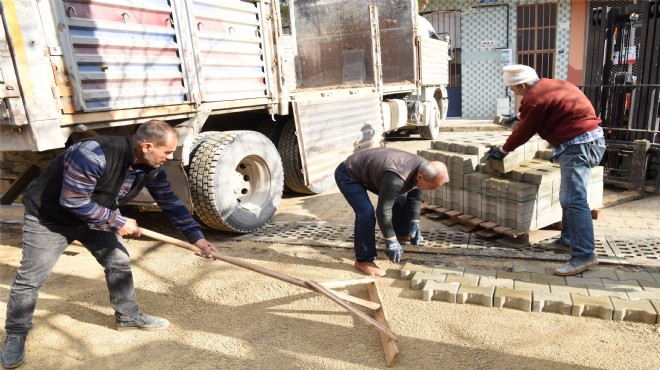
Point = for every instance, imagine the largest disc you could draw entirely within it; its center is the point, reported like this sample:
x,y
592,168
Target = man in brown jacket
x,y
398,178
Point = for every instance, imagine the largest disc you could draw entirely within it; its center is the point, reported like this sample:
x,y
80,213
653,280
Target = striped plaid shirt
x,y
580,139
84,164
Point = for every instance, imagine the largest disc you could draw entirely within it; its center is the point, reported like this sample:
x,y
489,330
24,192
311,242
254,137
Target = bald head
x,y
431,175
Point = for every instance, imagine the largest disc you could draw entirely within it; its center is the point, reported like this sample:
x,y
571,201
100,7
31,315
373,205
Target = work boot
x,y
369,268
576,265
555,246
13,352
144,322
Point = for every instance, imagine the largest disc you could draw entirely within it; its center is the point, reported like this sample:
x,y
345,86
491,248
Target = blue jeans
x,y
43,244
357,197
575,164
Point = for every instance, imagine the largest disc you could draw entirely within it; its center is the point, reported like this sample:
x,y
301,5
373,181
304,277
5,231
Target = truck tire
x,y
432,130
289,150
236,180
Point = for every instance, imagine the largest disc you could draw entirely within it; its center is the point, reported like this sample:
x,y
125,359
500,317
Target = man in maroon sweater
x,y
562,115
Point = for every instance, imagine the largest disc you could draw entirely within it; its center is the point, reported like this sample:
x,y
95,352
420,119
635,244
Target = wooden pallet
x,y
486,229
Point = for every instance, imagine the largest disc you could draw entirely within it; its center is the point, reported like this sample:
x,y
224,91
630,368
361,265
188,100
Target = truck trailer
x,y
265,96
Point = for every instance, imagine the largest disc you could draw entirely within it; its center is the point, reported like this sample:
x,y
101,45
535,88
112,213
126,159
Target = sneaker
x,y
555,246
369,268
576,265
13,352
144,322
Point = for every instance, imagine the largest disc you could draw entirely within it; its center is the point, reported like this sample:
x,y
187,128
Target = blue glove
x,y
393,250
510,120
496,153
415,233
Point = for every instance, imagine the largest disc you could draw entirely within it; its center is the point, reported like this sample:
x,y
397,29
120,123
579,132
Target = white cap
x,y
519,74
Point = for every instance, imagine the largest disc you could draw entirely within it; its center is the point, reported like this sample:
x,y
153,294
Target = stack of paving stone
x,y
604,293
521,192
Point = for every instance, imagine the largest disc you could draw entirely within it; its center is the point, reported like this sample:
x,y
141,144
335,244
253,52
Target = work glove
x,y
496,153
393,250
510,120
415,233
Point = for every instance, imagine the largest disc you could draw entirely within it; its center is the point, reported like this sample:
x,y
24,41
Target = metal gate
x,y
623,83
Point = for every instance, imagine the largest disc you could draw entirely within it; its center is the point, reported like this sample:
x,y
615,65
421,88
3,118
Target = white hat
x,y
519,74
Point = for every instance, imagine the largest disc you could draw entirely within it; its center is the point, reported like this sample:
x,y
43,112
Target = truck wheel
x,y
236,180
432,130
293,170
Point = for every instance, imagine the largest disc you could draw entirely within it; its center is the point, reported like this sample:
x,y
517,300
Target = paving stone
x,y
523,276
441,269
488,281
560,303
517,284
445,292
584,282
471,280
656,304
550,271
479,272
480,295
517,299
634,275
409,269
646,294
529,267
656,276
600,273
600,307
642,311
622,285
594,292
419,278
547,279
647,285
568,289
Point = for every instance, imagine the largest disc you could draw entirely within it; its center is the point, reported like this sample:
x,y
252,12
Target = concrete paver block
x,y
641,311
656,304
584,282
445,292
517,299
600,273
568,289
529,267
594,292
409,269
471,280
488,281
646,294
600,307
622,285
480,295
419,278
647,285
560,303
522,275
547,279
441,269
479,272
524,285
634,275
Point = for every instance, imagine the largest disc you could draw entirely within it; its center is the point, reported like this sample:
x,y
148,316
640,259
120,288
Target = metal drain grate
x,y
624,251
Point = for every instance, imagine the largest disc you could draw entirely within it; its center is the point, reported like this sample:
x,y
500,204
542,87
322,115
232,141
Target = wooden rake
x,y
387,337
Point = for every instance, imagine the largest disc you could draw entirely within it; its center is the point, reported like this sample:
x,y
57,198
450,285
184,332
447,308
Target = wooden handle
x,y
304,284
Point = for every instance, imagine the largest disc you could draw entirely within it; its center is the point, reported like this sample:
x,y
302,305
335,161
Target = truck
x,y
265,96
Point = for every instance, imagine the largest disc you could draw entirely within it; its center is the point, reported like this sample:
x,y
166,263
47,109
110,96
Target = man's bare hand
x,y
130,228
207,248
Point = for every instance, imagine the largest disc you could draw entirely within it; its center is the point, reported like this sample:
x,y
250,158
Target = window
x,y
536,37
